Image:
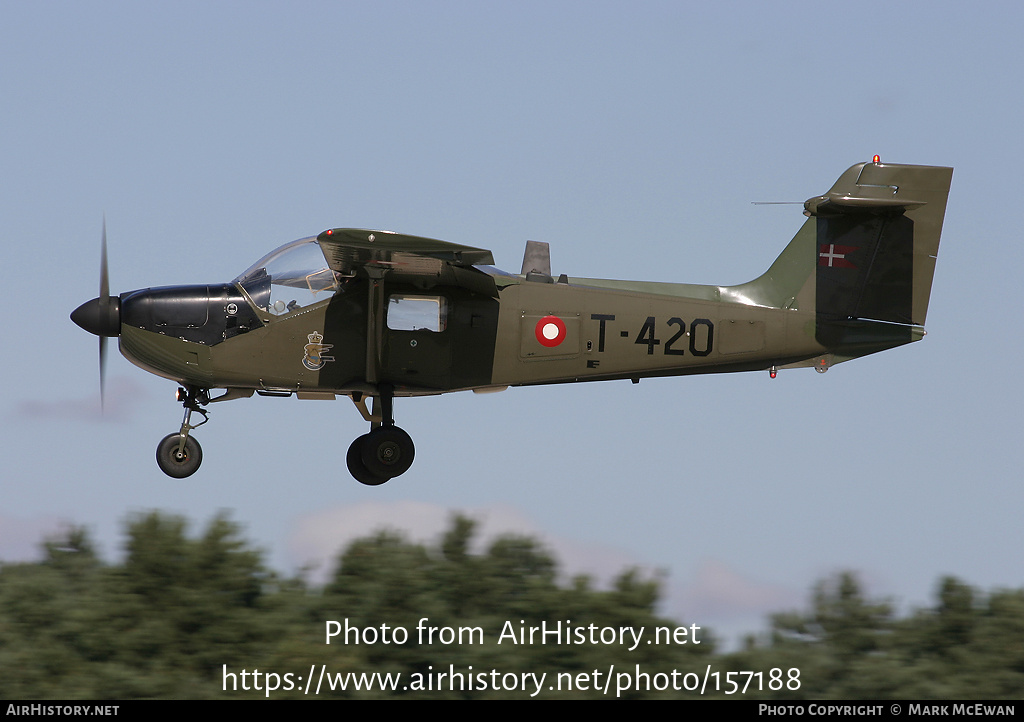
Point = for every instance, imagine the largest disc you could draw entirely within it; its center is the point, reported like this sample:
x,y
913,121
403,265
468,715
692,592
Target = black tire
x,y
358,469
171,463
388,451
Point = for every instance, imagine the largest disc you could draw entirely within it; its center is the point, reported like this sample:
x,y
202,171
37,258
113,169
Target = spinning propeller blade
x,y
104,305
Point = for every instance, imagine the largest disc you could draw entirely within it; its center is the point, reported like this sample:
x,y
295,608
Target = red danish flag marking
x,y
833,255
550,331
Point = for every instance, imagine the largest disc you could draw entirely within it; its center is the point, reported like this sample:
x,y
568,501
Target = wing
x,y
411,259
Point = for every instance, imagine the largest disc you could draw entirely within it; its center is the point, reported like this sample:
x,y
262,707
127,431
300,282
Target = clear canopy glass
x,y
290,277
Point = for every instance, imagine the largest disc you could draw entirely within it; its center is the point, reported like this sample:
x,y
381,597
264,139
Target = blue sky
x,y
633,139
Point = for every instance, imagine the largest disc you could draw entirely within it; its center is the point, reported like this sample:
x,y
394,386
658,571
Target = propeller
x,y
104,309
101,315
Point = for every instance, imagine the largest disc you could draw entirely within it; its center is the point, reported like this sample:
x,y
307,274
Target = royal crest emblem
x,y
314,359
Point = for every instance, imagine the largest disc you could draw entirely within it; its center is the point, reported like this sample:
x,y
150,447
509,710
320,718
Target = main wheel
x,y
173,463
357,468
388,451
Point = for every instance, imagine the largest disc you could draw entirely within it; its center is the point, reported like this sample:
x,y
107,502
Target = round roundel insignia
x,y
550,331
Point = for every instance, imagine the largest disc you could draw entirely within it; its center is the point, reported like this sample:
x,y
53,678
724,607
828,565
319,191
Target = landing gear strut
x,y
387,451
179,455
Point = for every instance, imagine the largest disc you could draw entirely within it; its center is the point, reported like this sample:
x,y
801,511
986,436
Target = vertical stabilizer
x,y
877,235
867,251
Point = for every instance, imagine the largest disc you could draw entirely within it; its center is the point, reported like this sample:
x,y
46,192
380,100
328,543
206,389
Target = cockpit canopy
x,y
290,277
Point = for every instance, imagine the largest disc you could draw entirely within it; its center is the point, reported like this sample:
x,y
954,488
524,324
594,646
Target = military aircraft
x,y
377,314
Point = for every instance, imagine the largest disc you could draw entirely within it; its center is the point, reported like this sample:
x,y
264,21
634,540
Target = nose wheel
x,y
384,453
179,455
176,459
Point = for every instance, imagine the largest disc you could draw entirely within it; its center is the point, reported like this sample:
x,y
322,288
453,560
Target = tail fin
x,y
877,235
866,254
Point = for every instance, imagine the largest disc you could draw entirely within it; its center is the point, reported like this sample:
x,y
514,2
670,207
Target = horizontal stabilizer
x,y
833,203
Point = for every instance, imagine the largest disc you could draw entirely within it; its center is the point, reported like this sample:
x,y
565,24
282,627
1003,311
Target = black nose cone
x,y
100,316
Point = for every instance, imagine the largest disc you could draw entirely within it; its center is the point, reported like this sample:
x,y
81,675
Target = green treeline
x,y
180,612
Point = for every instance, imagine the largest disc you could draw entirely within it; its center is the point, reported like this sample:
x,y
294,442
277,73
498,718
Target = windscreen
x,y
290,277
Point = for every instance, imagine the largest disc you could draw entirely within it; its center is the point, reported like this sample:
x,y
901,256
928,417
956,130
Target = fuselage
x,y
215,336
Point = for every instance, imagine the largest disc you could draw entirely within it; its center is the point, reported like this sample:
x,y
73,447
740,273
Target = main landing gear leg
x,y
387,451
179,455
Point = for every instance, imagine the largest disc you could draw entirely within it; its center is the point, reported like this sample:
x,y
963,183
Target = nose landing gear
x,y
179,455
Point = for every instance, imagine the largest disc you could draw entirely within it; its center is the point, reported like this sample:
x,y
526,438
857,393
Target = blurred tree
x,y
164,621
